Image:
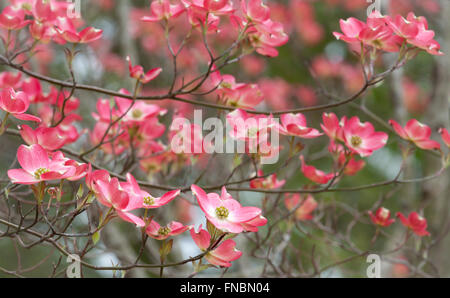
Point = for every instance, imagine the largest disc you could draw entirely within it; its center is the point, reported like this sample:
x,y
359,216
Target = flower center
x,y
38,173
222,212
384,213
164,231
136,114
356,141
149,200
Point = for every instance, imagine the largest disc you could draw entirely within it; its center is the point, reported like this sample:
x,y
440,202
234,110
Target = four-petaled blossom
x,y
37,166
111,194
361,138
381,217
389,33
255,11
86,35
143,199
223,211
415,222
305,207
158,232
48,137
12,18
314,174
240,95
163,10
375,33
16,104
417,133
137,72
415,31
222,255
295,125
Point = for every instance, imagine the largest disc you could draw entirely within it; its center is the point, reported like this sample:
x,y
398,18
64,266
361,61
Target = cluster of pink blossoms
x,y
264,34
56,127
390,34
47,20
228,216
125,124
414,221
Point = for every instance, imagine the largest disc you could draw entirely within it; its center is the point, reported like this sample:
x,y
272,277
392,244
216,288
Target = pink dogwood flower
x,y
381,217
423,39
163,10
48,137
12,18
415,222
139,112
266,37
417,133
222,255
223,211
86,35
246,96
251,128
361,138
111,194
37,166
295,125
255,11
374,34
158,232
16,104
137,72
314,174
143,199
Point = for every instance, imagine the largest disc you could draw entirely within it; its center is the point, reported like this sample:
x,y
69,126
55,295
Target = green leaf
x,y
96,237
166,248
80,192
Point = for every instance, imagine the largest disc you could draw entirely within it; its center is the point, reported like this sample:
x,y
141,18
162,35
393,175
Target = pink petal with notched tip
x,y
153,228
417,130
445,136
253,224
21,176
32,158
129,217
352,27
90,34
399,129
27,117
167,197
177,228
207,204
427,144
201,238
244,214
227,251
217,261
